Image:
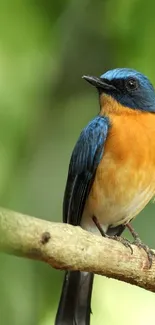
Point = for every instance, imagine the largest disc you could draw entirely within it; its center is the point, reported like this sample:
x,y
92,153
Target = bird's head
x,y
127,87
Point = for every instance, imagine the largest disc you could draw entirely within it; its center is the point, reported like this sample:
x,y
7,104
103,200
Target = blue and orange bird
x,y
111,175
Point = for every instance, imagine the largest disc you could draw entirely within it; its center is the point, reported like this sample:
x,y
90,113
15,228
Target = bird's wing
x,y
85,158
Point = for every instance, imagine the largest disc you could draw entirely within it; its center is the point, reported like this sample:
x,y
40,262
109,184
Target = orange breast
x,y
125,178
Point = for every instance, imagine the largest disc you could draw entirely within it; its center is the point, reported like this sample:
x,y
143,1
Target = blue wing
x,y
85,158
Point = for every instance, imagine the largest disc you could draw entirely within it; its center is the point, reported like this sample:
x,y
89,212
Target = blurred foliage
x,y
45,48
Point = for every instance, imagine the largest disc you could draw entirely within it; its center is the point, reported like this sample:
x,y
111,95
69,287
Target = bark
x,y
71,248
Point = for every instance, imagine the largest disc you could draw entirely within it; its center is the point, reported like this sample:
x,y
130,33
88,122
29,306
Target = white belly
x,y
109,213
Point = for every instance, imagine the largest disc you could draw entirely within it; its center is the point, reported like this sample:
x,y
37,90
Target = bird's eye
x,y
131,84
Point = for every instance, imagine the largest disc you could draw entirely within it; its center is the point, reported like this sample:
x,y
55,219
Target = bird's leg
x,y
137,241
97,224
122,240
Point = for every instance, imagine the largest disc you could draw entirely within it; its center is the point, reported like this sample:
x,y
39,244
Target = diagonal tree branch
x,y
71,248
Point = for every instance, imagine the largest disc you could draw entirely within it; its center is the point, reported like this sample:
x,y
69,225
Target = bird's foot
x,y
122,240
137,242
150,254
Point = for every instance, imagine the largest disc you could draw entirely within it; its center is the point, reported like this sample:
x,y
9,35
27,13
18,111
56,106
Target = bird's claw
x,y
150,254
124,241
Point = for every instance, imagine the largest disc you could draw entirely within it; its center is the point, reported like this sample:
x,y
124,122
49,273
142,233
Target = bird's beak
x,y
99,82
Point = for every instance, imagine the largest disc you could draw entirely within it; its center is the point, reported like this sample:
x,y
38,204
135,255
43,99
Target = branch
x,y
71,248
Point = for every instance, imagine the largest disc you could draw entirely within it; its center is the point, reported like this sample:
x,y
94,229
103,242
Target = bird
x,y
111,175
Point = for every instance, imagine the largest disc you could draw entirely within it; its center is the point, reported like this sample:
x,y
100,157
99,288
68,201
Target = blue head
x,y
128,87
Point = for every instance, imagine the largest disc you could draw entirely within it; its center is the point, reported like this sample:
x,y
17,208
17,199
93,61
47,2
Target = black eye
x,y
131,84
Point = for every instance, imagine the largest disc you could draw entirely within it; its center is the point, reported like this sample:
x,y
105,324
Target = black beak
x,y
99,82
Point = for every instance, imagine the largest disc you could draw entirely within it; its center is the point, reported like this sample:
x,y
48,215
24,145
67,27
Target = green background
x,y
45,48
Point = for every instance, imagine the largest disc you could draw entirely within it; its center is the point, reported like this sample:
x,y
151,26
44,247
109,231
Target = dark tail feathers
x,y
74,307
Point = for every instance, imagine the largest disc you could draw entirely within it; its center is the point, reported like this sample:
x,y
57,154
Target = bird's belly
x,y
118,195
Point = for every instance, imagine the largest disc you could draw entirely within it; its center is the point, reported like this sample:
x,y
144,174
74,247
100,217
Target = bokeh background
x,y
45,48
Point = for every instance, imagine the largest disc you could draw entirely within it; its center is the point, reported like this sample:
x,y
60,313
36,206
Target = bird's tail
x,y
75,302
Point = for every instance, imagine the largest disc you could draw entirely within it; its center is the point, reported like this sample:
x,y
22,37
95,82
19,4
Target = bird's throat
x,y
109,105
